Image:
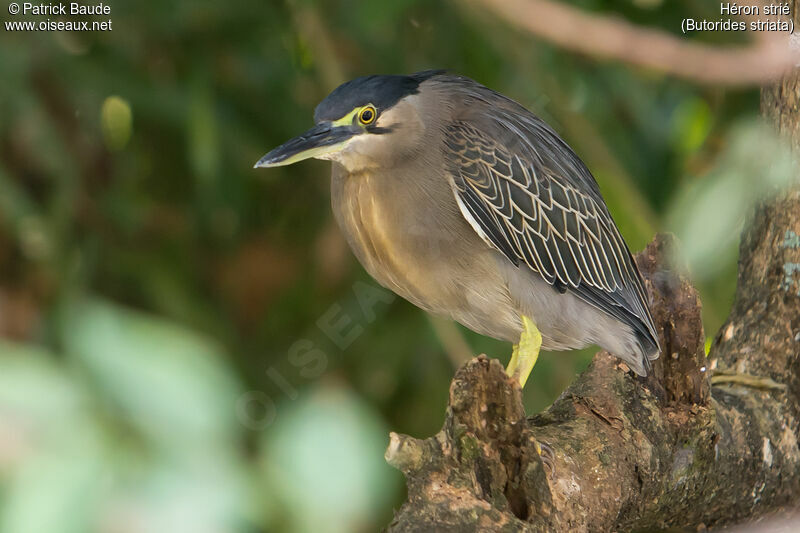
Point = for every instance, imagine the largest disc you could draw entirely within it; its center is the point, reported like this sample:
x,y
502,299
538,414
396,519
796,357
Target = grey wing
x,y
528,203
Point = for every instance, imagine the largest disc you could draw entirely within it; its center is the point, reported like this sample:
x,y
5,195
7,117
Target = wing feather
x,y
547,213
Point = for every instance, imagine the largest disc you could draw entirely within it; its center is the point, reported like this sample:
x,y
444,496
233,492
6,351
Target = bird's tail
x,y
649,349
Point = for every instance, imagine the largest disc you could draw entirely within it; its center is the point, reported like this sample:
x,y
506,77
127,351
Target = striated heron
x,y
468,205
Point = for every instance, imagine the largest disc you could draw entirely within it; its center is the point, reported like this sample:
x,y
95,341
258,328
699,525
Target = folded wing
x,y
530,197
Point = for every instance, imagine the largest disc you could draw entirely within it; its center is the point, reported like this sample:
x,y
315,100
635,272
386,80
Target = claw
x,y
548,457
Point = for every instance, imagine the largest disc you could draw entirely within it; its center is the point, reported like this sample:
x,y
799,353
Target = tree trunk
x,y
700,442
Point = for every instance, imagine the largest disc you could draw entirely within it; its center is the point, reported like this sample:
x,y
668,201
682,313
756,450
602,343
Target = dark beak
x,y
322,139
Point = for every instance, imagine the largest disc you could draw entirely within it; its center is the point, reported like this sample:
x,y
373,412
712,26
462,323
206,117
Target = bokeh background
x,y
166,361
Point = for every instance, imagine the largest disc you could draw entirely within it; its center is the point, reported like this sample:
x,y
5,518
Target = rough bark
x,y
701,442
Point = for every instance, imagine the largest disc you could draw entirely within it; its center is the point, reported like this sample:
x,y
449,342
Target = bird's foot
x,y
548,457
514,361
527,351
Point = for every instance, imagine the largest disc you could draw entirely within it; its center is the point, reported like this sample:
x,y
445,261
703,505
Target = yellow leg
x,y
514,361
526,352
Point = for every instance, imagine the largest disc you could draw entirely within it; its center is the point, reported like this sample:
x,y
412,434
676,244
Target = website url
x,y
57,25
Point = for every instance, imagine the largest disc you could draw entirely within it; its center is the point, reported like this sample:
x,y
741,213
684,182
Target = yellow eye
x,y
367,115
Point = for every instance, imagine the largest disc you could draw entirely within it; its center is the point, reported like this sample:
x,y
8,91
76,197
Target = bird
x,y
468,205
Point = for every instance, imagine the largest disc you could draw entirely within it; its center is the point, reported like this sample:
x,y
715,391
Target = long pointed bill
x,y
321,140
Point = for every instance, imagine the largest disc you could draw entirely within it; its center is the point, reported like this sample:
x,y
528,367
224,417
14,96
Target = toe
x,y
548,457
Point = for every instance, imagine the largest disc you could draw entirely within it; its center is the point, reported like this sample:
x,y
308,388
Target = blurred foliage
x,y
164,367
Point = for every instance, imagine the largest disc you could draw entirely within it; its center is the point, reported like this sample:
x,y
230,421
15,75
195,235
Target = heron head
x,y
364,122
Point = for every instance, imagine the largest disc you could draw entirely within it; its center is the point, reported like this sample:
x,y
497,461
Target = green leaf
x,y
34,388
691,124
324,461
51,453
709,214
168,380
116,118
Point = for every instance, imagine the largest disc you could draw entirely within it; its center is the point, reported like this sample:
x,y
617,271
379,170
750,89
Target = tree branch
x,y
767,58
626,452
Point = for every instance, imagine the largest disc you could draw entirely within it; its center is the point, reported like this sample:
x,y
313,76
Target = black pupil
x,y
366,115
